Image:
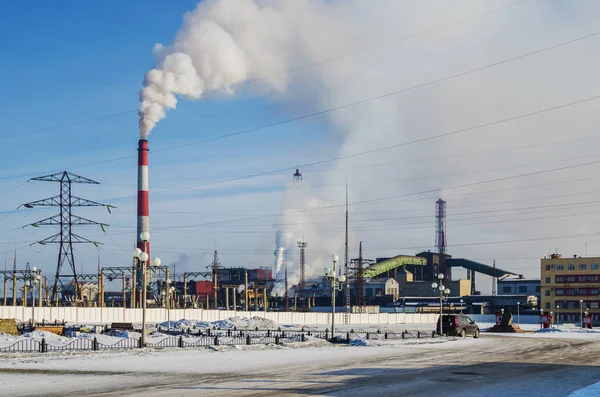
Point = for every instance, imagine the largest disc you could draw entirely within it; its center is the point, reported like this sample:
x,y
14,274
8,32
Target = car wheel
x,y
463,333
476,336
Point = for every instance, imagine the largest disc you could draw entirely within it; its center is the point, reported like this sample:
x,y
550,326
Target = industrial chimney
x,y
143,208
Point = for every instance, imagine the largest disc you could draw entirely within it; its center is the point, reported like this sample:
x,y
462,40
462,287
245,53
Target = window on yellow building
x,y
582,266
594,266
571,266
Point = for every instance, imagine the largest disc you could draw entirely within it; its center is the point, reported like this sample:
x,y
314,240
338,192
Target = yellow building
x,y
570,286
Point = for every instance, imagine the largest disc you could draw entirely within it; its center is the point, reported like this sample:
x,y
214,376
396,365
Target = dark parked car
x,y
457,325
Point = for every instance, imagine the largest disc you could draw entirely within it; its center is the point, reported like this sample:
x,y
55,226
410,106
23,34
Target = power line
x,y
389,94
455,132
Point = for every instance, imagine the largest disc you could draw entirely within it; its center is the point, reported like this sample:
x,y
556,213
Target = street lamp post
x,y
519,313
581,314
444,292
143,257
557,315
461,306
336,285
36,281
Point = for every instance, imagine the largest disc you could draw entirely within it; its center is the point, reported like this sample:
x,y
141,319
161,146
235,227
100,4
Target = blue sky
x,y
71,61
68,62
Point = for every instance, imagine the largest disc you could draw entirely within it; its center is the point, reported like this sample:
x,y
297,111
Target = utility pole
x,y
65,220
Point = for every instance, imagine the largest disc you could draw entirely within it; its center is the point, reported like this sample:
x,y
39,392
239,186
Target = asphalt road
x,y
491,366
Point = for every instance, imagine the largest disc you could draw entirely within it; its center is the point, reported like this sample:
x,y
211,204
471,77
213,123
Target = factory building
x,y
520,286
570,286
378,287
408,286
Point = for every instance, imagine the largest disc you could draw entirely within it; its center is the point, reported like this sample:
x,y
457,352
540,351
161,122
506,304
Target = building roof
x,y
519,280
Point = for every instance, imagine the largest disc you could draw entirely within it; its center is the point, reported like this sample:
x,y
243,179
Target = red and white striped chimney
x,y
143,208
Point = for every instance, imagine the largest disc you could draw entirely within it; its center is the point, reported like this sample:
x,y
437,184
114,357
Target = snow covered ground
x,y
490,366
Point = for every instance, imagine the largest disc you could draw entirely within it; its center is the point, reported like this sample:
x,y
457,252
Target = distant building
x,y
570,286
381,287
520,286
409,287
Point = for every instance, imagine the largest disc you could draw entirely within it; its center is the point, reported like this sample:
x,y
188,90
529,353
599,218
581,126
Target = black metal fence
x,y
211,337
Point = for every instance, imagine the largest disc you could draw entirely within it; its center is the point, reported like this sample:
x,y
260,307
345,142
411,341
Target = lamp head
x,y
143,256
447,291
156,261
34,269
136,253
326,271
335,258
342,279
434,285
440,276
145,236
331,273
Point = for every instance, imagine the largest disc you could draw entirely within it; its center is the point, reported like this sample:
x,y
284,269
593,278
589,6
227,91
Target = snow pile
x,y
182,324
246,323
129,334
7,337
358,342
569,330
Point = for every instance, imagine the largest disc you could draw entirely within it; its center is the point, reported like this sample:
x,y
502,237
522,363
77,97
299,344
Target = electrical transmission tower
x,y
216,266
65,219
358,265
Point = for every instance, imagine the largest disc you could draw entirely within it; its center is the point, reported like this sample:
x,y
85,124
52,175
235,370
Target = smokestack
x,y
143,208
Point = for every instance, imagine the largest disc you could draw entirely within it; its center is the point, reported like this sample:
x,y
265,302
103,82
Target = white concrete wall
x,y
109,315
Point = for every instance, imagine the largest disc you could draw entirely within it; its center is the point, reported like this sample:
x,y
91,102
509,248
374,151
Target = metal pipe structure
x,y
143,208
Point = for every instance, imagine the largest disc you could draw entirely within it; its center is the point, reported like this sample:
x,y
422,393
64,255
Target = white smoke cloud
x,y
223,43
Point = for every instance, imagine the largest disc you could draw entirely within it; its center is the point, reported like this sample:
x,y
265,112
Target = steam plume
x,y
221,43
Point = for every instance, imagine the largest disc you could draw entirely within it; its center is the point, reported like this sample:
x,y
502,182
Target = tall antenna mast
x,y
286,295
494,284
346,265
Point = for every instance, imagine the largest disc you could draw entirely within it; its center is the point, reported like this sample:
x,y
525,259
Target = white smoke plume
x,y
221,43
226,42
